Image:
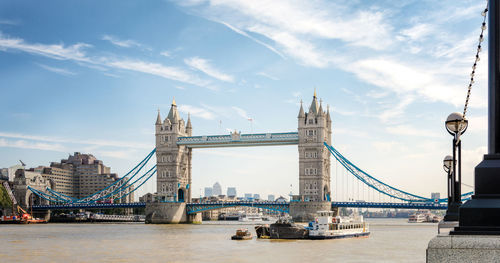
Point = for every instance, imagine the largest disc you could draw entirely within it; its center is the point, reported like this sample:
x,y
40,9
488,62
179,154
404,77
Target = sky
x,y
89,76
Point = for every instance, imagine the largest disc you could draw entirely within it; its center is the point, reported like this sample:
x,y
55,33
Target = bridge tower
x,y
314,128
173,161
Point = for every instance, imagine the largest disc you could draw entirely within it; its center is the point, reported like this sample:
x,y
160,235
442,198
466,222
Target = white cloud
x,y
241,112
417,32
121,43
61,71
157,70
31,145
76,141
267,76
204,66
197,111
57,51
167,54
9,22
77,54
243,33
312,21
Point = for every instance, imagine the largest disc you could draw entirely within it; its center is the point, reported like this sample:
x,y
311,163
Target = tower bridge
x,y
175,144
174,149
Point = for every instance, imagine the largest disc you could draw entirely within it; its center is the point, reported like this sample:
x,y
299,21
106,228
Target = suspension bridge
x,y
106,198
174,146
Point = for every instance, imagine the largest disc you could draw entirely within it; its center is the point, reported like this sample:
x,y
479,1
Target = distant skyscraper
x,y
256,196
248,196
217,189
208,191
231,191
270,198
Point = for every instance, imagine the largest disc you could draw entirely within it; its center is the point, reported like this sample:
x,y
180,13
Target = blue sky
x,y
89,76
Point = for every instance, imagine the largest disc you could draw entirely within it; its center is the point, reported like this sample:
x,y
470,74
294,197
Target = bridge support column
x,y
306,211
169,213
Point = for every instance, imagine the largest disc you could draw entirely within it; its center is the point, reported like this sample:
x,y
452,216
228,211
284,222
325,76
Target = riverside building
x,y
80,175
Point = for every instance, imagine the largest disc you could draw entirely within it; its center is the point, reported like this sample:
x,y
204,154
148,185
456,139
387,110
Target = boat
x,y
20,216
229,216
263,231
417,218
284,228
24,219
250,217
242,234
328,226
424,216
10,220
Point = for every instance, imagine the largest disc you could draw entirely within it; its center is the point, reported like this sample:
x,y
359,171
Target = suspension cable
x,y
480,40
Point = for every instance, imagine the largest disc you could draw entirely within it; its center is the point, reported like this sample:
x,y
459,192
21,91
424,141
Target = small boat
x,y
327,226
242,234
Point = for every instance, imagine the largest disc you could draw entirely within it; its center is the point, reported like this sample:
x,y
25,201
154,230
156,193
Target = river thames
x,y
391,240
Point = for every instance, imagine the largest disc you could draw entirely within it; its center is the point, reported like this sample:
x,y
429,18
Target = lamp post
x,y
456,125
447,163
481,214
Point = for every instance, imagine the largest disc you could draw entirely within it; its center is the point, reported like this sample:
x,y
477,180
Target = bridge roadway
x,y
240,140
275,206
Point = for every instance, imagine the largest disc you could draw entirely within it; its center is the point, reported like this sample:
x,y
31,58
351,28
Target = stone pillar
x,y
169,213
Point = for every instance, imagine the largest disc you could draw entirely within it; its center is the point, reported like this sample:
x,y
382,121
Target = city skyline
x,y
77,82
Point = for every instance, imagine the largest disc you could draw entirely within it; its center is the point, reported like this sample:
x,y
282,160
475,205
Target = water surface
x,y
391,240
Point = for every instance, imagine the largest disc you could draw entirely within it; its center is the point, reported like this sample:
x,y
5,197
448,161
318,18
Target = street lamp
x,y
481,214
456,125
447,163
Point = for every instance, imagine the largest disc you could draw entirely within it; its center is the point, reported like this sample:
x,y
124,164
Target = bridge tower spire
x,y
314,128
173,161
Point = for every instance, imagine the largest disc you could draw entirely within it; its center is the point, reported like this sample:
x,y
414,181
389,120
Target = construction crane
x,y
22,215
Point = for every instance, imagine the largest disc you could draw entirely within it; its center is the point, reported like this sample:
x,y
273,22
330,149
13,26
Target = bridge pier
x,y
170,213
302,211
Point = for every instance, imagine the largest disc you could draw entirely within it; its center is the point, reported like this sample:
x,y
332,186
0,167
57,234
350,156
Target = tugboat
x,y
242,234
327,226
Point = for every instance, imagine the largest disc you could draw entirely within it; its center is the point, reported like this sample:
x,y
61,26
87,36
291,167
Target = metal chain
x,y
481,38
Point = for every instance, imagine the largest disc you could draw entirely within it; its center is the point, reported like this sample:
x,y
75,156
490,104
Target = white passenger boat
x,y
424,216
417,218
327,226
250,217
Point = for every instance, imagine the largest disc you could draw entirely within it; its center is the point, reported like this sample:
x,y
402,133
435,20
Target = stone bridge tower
x,y
314,128
173,161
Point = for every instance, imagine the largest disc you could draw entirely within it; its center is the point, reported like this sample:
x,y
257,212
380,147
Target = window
x,y
311,155
310,121
311,132
311,171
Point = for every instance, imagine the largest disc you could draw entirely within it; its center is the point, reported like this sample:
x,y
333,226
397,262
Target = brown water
x,y
391,240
